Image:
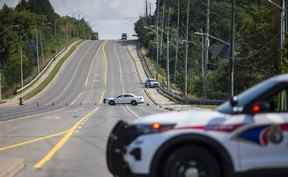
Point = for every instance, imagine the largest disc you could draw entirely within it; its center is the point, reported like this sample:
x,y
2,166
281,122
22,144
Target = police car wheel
x,y
112,103
191,161
134,103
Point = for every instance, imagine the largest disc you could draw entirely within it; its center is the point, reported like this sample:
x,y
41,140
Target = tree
x,y
257,42
23,5
42,8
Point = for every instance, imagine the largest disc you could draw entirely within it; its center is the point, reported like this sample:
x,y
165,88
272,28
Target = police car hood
x,y
187,118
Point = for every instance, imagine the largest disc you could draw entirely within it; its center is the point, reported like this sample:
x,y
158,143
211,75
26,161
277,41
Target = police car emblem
x,y
276,135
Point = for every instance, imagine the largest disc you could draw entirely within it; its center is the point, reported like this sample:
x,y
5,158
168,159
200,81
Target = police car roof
x,y
280,78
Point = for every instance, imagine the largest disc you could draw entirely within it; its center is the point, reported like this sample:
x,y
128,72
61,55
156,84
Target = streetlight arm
x,y
276,5
213,37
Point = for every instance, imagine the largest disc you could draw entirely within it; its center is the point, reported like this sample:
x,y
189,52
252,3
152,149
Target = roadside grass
x,y
52,74
162,79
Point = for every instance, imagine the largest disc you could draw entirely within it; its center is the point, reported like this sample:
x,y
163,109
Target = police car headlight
x,y
154,128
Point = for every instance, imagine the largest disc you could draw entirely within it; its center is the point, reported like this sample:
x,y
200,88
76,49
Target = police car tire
x,y
112,103
134,103
188,154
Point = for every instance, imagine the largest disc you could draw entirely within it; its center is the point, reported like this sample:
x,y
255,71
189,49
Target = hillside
x,y
257,53
39,32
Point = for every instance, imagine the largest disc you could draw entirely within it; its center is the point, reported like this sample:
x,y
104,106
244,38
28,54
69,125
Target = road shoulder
x,y
46,78
155,97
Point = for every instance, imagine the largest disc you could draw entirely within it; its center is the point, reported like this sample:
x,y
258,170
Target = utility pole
x,y
168,50
177,42
37,50
21,75
203,60
207,46
157,38
283,25
232,50
162,34
286,19
42,50
150,9
283,28
146,8
187,48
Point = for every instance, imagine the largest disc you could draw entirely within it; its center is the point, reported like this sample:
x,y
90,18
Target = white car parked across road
x,y
249,133
128,98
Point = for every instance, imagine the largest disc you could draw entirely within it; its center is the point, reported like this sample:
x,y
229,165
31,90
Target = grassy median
x,y
52,74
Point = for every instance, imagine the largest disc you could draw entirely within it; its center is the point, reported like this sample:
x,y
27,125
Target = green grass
x,y
52,74
162,78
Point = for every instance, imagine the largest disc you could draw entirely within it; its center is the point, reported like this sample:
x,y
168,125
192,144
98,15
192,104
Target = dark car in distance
x,y
124,36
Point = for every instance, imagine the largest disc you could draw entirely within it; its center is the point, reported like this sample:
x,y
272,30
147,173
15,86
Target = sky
x,y
110,18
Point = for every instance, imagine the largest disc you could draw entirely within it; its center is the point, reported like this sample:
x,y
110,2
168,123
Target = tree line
x,y
257,46
34,29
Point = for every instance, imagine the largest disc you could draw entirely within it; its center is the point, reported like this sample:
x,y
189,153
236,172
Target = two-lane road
x,y
64,89
72,138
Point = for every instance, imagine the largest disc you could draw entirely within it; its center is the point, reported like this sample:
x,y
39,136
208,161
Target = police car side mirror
x,y
234,101
235,105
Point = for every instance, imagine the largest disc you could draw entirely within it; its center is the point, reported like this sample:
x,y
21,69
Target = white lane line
x,y
91,66
73,76
122,84
132,112
77,98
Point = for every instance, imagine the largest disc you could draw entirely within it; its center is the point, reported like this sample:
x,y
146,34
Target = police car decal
x,y
264,134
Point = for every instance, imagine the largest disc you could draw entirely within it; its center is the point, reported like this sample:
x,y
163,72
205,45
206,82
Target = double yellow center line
x,y
81,122
61,143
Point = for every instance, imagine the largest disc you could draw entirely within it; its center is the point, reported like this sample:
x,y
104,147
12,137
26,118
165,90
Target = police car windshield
x,y
248,96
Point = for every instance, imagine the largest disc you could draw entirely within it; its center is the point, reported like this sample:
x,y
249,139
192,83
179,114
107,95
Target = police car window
x,y
276,102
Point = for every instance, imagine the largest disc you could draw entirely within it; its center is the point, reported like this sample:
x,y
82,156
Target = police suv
x,y
247,133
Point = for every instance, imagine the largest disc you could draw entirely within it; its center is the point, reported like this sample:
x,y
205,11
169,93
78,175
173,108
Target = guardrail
x,y
51,60
176,97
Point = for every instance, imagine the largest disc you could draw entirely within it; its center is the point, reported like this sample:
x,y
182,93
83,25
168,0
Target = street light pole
x,y
207,45
232,49
203,60
157,36
162,35
168,50
283,21
187,49
283,28
21,75
177,42
37,50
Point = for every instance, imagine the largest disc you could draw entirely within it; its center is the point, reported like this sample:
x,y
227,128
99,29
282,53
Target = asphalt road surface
x,y
63,131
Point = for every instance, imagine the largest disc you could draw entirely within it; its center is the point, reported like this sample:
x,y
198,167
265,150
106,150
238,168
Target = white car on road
x,y
151,83
128,98
247,133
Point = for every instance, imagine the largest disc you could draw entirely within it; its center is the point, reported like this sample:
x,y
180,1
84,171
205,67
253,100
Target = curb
x,y
51,60
50,76
11,167
138,73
